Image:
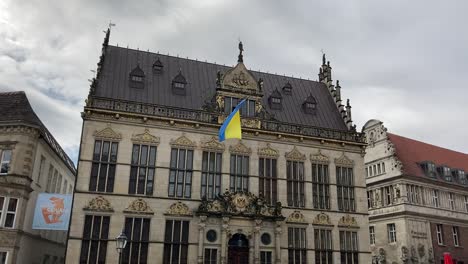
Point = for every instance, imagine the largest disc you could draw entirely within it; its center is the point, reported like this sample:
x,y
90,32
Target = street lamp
x,y
121,242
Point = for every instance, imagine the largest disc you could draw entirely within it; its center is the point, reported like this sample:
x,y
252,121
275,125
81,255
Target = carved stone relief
x,y
179,209
296,217
99,204
139,206
319,158
108,133
268,152
295,155
322,219
183,142
240,149
212,145
145,137
348,221
344,161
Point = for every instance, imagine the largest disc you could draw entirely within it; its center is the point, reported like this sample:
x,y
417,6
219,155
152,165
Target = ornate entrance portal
x,y
238,251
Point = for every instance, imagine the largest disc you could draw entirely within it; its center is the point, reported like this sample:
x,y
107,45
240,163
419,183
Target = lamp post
x,y
121,242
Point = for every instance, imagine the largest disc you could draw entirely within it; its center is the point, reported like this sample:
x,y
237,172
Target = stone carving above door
x,y
240,204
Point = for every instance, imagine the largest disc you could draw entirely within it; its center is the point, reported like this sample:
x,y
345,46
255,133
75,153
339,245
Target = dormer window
x,y
429,169
137,78
247,110
157,66
460,175
275,100
179,84
445,172
287,89
310,105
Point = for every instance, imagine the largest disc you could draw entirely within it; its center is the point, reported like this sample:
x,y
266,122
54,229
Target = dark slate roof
x,y
15,109
201,86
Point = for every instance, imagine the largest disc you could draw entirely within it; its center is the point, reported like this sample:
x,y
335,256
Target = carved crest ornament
x,y
268,152
295,155
240,204
319,158
179,209
99,204
348,221
145,137
108,133
183,142
322,219
139,206
213,145
296,217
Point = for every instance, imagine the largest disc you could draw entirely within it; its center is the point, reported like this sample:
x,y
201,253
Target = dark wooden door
x,y
238,255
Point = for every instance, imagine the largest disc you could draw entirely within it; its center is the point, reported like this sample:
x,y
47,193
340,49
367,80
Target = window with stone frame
x,y
41,169
103,166
297,245
180,174
466,203
137,231
323,246
5,161
345,189
267,172
246,110
266,257
440,234
59,184
320,186
50,175
210,256
3,257
295,183
391,231
176,242
349,247
95,239
239,173
65,185
435,198
372,235
8,206
211,174
370,199
142,171
456,236
451,201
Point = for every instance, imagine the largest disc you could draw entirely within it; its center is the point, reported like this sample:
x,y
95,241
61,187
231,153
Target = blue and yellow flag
x,y
231,127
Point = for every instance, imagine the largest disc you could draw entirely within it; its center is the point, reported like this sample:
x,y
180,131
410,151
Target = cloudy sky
x,y
403,62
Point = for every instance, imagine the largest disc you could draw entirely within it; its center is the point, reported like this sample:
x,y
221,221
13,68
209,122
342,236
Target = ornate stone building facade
x,y
31,162
292,190
417,197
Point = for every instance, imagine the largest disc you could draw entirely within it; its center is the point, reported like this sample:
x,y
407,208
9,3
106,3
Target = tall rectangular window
x,y
388,195
180,174
95,239
5,160
268,180
176,242
137,231
466,203
53,183
349,247
247,109
143,166
451,201
266,257
323,246
320,186
103,167
372,235
391,230
345,189
211,174
239,173
383,167
435,198
295,183
41,169
58,187
440,234
211,255
8,207
50,175
3,257
65,185
297,245
455,232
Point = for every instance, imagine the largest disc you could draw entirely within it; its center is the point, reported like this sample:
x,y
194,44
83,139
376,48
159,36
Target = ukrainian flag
x,y
231,127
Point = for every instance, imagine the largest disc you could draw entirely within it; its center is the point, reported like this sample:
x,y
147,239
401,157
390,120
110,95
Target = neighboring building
x,y
418,199
31,162
292,190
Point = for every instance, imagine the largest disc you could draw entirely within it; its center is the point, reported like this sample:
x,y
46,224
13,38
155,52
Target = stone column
x,y
201,237
278,232
224,233
258,226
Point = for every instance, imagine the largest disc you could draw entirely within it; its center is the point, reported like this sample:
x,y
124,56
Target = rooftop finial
x,y
240,58
347,103
338,83
323,59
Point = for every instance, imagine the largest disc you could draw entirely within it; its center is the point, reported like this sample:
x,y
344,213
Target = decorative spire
x,y
240,58
323,59
338,83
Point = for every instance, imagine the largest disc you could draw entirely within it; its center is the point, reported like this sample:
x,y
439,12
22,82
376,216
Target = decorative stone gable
x,y
179,209
183,142
344,161
99,204
240,149
348,221
268,152
319,158
296,217
239,78
322,219
145,138
295,155
139,206
108,134
213,145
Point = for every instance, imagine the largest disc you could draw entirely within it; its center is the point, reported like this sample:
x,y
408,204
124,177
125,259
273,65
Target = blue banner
x,y
52,211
